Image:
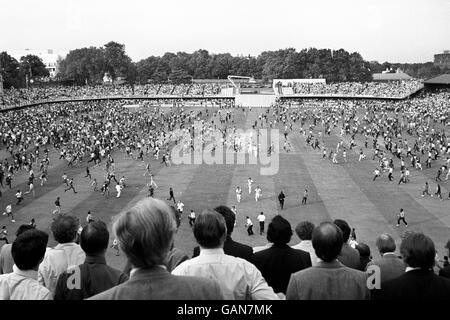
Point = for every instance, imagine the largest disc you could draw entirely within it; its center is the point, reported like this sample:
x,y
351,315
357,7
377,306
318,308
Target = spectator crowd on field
x,y
392,89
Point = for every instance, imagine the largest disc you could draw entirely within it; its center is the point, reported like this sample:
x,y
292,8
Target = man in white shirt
x,y
249,183
304,231
180,206
249,226
6,258
31,190
376,174
238,278
191,218
19,197
233,208
258,193
9,213
67,253
261,218
118,190
28,250
238,194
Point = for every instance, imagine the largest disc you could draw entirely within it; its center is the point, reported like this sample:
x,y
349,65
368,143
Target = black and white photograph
x,y
224,152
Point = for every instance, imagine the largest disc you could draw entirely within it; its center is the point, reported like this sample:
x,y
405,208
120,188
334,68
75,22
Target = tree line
x,y
89,65
16,73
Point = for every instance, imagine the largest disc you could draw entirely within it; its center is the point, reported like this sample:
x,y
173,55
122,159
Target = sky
x,y
382,30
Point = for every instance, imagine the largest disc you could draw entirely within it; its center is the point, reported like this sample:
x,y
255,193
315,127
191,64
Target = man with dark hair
x,y
67,253
278,262
330,279
304,231
401,217
94,275
231,247
28,250
348,256
238,278
171,195
281,198
364,255
70,186
390,265
19,197
419,281
261,219
6,258
445,270
305,196
4,234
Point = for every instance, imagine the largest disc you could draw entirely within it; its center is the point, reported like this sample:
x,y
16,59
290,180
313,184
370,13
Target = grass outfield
x,y
343,190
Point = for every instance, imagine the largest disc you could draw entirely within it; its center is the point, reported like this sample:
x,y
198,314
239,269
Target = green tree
x,y
179,76
9,69
33,66
220,65
117,63
83,66
146,68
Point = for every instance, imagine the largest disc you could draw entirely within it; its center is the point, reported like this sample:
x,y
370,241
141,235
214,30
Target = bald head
x,y
327,241
385,243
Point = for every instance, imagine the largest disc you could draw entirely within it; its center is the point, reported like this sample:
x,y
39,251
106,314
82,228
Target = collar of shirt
x,y
134,270
411,269
389,254
62,245
305,242
205,252
95,259
32,274
333,264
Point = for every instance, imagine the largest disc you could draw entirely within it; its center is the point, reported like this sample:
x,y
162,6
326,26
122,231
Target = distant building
x,y
442,59
107,78
48,56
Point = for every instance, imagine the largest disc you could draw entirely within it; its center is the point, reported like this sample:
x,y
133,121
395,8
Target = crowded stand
x,y
392,89
16,97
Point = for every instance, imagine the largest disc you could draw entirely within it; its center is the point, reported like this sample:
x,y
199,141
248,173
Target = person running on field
x,y
8,212
305,196
426,190
171,195
401,217
249,226
70,183
57,206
